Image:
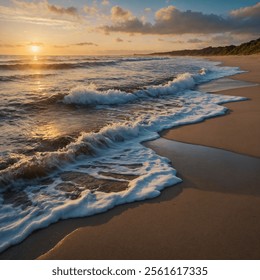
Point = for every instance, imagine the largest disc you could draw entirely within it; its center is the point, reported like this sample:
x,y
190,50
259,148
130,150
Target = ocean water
x,y
72,128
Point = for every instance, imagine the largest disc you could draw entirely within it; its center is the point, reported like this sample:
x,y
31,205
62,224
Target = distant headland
x,y
252,47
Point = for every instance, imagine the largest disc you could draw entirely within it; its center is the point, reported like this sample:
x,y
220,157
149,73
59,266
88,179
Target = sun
x,y
35,49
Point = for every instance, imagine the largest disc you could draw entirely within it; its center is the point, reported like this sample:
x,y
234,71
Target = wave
x,y
64,64
90,95
93,143
138,58
23,77
56,202
90,143
54,66
40,165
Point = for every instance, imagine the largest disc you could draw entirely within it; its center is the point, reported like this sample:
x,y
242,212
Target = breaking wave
x,y
90,95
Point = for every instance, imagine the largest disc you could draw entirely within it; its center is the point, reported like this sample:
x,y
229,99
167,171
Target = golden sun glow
x,y
35,49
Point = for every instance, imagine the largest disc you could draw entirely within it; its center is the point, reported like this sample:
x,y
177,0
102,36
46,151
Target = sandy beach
x,y
213,214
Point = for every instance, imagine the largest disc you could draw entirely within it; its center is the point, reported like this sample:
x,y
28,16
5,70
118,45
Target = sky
x,y
101,27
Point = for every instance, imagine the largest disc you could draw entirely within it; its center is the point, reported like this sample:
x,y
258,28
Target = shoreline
x,y
222,132
196,219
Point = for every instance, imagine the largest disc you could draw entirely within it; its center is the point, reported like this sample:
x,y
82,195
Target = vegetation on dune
x,y
252,47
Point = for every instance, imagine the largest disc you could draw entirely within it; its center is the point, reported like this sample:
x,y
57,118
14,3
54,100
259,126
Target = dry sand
x,y
213,214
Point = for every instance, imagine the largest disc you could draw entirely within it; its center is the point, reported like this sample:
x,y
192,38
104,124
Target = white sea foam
x,y
91,95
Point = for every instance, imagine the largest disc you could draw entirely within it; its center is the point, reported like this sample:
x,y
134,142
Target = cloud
x,y
246,19
97,10
165,13
40,44
195,41
85,44
124,21
91,10
11,46
247,12
41,12
171,41
225,39
119,40
81,44
72,11
45,6
60,46
118,14
169,20
221,39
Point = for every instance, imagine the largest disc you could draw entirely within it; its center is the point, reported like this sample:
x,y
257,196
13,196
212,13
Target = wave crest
x,y
91,95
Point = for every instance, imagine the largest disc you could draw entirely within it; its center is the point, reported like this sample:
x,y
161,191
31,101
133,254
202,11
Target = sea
x,y
72,128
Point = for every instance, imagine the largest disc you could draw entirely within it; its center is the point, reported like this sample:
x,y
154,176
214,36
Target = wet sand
x,y
213,214
239,130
